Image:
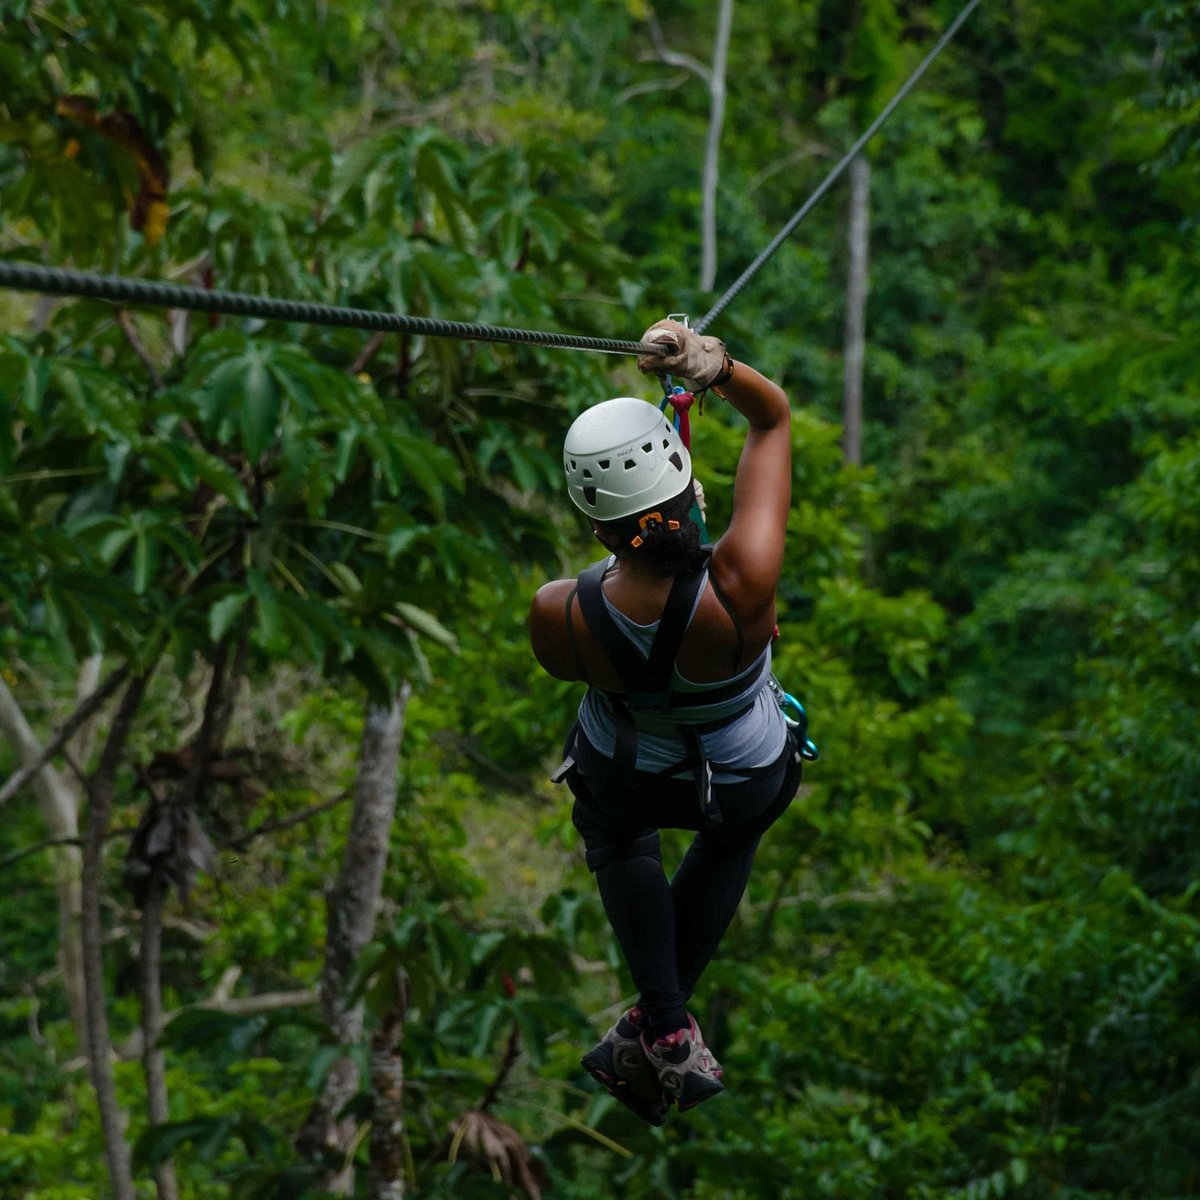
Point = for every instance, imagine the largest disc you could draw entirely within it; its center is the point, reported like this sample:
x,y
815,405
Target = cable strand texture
x,y
59,282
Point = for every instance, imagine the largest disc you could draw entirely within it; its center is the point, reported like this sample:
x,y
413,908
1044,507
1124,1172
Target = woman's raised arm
x,y
748,558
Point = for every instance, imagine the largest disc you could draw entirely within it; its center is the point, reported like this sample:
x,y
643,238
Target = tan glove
x,y
698,359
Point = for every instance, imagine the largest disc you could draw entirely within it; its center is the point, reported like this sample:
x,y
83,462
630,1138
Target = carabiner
x,y
785,700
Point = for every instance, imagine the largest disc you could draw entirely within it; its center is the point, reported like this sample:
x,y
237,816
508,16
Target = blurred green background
x,y
968,963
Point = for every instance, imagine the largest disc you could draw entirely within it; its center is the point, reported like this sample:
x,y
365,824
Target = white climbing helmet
x,y
622,457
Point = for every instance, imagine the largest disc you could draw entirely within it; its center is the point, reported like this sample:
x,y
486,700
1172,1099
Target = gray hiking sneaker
x,y
619,1064
686,1068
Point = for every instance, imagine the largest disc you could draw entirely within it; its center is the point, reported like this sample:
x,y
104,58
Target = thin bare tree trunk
x,y
80,745
712,149
150,987
351,908
856,307
217,711
77,721
387,1174
59,804
99,813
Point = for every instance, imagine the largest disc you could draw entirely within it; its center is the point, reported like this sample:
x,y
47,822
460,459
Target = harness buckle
x,y
563,769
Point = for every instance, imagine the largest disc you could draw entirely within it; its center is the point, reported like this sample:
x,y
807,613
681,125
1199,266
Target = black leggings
x,y
668,932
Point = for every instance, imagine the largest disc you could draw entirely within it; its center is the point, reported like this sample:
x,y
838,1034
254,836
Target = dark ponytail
x,y
668,551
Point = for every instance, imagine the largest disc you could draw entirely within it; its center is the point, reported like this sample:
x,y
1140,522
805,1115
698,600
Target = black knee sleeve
x,y
646,845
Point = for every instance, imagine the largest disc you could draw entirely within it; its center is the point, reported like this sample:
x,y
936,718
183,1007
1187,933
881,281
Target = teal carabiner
x,y
785,700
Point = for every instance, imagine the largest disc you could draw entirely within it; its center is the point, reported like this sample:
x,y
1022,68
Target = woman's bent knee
x,y
604,852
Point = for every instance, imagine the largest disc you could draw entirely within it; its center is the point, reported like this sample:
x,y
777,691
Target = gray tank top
x,y
756,739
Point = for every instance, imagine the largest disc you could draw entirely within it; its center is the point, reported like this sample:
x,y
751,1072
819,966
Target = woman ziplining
x,y
674,641
680,727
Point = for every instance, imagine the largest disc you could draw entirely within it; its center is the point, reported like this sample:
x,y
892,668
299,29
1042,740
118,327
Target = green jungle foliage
x,y
968,963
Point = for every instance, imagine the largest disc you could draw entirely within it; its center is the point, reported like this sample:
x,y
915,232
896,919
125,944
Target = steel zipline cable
x,y
782,236
55,281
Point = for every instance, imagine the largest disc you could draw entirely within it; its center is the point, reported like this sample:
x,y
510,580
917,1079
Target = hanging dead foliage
x,y
169,843
148,210
491,1143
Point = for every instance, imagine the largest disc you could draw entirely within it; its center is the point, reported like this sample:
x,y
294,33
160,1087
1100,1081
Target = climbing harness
x,y
649,703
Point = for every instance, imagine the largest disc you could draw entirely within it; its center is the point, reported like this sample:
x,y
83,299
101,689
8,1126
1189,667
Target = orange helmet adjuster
x,y
652,520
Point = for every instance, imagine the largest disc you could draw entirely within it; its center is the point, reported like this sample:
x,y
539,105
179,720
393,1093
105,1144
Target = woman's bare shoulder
x,y
548,629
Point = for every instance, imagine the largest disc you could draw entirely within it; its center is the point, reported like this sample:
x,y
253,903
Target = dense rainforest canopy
x,y
296,868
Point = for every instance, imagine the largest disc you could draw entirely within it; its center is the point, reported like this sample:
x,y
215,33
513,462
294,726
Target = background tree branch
x,y
99,811
37,757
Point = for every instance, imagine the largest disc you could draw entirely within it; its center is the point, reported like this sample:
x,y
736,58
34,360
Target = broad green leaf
x,y
221,477
548,230
144,560
270,620
222,393
350,583
259,412
224,613
111,545
399,540
426,624
161,1142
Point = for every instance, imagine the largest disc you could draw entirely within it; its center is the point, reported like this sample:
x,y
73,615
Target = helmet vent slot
x,y
647,447
586,473
605,463
573,464
676,461
589,494
666,444
629,464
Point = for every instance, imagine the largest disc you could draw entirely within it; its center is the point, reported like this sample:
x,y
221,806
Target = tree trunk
x,y
80,745
856,307
712,149
100,801
351,908
386,1177
150,987
59,804
218,707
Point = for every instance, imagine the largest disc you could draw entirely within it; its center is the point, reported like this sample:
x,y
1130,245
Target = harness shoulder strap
x,y
672,625
619,651
579,663
646,680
